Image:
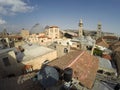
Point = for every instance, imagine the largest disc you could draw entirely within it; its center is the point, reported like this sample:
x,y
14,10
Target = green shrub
x,y
97,52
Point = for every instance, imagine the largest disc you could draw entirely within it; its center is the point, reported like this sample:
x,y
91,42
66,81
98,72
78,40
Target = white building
x,y
53,32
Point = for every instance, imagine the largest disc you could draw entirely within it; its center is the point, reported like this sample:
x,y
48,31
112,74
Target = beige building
x,y
35,55
53,32
12,61
62,50
25,33
40,39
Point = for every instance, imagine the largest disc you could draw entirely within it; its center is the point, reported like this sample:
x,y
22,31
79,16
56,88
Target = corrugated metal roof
x,y
105,64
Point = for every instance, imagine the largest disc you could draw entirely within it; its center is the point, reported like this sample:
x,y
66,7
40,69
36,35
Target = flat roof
x,y
34,51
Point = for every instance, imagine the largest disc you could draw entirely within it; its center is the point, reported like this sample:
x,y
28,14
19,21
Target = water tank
x,y
68,74
117,87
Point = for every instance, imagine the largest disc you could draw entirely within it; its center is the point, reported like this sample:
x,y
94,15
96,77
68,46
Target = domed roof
x,y
37,28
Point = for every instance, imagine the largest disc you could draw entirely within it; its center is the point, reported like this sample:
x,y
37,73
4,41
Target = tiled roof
x,y
115,46
110,37
102,42
43,37
106,56
83,64
53,27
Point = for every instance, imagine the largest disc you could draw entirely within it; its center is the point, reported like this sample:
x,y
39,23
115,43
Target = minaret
x,y
80,28
99,31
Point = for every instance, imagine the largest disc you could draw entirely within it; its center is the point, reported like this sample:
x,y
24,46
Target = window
x,y
78,45
41,40
65,50
67,43
6,61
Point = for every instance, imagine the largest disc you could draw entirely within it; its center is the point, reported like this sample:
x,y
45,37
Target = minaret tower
x,y
99,30
80,28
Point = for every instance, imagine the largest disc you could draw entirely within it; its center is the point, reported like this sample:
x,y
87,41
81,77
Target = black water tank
x,y
68,74
117,87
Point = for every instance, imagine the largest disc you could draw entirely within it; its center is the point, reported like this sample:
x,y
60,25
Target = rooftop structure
x,y
34,51
37,28
80,28
99,30
35,55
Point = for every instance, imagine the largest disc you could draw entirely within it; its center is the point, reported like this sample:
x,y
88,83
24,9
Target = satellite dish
x,y
48,76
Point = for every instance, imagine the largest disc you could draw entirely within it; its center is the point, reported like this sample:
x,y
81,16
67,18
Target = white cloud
x,y
2,21
14,6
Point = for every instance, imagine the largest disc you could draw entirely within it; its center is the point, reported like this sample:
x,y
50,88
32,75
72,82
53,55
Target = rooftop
x,y
34,51
53,27
6,50
102,42
83,64
106,65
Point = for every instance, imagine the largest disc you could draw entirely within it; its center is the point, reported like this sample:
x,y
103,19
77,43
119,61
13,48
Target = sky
x,y
18,14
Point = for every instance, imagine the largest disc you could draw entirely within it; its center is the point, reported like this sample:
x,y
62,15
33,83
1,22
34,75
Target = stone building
x,y
80,28
24,33
99,31
13,60
62,50
35,55
40,39
52,32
